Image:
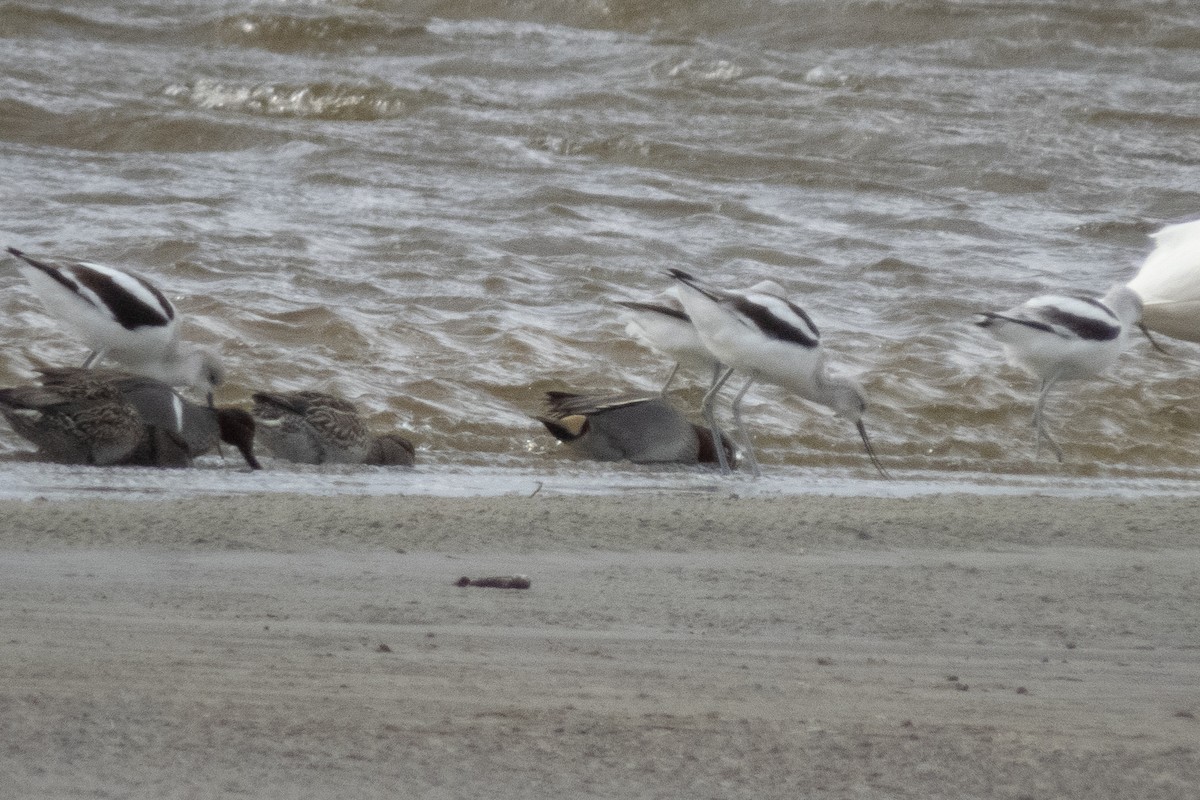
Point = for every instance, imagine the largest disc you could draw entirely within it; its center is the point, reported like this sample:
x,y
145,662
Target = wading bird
x,y
123,317
1063,337
1168,282
772,340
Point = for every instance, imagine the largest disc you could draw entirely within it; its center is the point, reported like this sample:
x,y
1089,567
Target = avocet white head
x,y
1064,337
770,339
120,316
1168,283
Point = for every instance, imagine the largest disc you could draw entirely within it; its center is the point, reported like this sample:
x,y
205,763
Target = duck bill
x,y
862,431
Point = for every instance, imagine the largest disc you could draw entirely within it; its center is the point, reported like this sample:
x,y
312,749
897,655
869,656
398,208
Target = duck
x,y
312,427
171,430
179,430
640,429
84,422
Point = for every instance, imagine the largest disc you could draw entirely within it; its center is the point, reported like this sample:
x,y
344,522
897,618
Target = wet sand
x,y
671,645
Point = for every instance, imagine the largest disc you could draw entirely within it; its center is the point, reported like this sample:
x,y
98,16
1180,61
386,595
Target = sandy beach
x,y
671,645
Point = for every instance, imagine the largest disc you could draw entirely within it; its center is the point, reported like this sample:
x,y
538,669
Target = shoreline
x,y
546,522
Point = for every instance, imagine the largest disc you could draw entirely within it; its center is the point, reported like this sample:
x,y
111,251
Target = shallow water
x,y
430,206
34,481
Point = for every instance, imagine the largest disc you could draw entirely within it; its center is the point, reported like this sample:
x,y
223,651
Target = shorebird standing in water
x,y
772,340
663,325
123,317
1063,337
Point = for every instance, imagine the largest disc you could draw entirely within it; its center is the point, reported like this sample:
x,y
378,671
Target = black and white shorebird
x,y
772,340
641,429
177,431
121,317
1064,337
664,326
309,427
1168,282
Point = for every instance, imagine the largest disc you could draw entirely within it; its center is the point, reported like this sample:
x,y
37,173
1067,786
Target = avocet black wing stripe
x,y
695,283
51,271
131,301
1090,328
656,308
796,327
990,317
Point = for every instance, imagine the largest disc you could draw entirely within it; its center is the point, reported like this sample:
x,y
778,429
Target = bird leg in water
x,y
743,432
1157,345
709,410
1039,424
1153,342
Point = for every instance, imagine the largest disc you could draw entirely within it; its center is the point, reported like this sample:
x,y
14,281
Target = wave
x,y
126,130
321,100
284,33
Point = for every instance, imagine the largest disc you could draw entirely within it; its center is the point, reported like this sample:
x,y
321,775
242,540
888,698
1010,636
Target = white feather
x,y
151,350
1168,282
669,335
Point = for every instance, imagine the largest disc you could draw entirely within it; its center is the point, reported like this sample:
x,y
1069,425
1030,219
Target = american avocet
x,y
310,427
83,422
770,339
177,430
663,325
644,430
1168,282
123,317
1062,337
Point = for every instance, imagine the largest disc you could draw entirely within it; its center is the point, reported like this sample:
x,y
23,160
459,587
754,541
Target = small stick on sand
x,y
498,582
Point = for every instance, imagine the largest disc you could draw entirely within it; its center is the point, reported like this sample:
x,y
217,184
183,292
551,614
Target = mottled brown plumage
x,y
310,427
85,422
172,430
